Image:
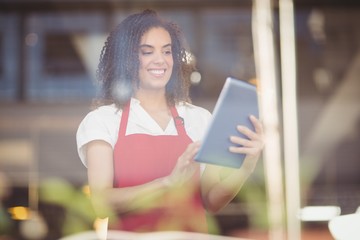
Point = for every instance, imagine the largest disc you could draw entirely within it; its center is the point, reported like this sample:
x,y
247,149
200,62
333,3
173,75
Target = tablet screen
x,y
236,102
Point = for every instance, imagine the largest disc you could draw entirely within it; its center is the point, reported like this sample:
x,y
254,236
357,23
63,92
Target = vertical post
x,y
34,171
266,72
290,123
21,89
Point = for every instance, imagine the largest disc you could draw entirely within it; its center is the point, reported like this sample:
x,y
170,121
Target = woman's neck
x,y
156,106
152,101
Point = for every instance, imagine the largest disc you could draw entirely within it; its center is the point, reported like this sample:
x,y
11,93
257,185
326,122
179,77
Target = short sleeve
x,y
97,125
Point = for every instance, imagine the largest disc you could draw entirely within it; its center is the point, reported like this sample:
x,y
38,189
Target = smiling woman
x,y
139,144
119,66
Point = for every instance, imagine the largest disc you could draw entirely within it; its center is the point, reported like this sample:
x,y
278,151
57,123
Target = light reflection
x,y
323,80
33,228
318,213
195,78
86,190
189,58
346,227
19,213
316,23
101,226
31,39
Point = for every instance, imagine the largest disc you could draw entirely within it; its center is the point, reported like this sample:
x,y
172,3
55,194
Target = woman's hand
x,y
185,166
220,185
252,147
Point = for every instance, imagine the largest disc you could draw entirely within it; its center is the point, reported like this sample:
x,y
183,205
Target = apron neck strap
x,y
124,119
179,121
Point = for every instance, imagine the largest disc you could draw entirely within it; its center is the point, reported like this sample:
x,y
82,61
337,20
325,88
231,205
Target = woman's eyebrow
x,y
146,46
167,45
150,46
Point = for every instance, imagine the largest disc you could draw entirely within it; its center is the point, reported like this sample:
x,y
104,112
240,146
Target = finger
x,y
186,159
234,149
247,132
257,124
241,141
189,151
244,150
194,148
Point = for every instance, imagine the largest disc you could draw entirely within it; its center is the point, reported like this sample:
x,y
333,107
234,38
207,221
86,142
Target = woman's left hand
x,y
252,146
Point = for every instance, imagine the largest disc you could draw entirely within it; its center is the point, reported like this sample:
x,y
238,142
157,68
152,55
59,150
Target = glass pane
x,y
61,56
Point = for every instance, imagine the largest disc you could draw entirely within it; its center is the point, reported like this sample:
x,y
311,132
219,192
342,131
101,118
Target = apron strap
x,y
179,121
124,119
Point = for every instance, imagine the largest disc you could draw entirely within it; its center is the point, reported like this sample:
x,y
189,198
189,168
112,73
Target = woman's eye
x,y
146,52
168,52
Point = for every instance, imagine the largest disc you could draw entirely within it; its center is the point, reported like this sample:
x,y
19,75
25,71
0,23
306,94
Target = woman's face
x,y
156,60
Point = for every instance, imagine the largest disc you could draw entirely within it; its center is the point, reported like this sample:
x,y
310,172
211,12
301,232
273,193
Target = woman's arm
x,y
99,156
219,185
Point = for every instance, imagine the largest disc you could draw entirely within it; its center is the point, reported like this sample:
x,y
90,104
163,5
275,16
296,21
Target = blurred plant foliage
x,y
79,212
5,222
253,194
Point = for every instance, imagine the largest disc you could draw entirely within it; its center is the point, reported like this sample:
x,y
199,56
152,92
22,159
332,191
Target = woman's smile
x,y
157,72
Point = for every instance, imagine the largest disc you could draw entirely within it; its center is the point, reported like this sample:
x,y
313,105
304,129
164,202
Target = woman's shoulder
x,y
193,110
105,110
104,114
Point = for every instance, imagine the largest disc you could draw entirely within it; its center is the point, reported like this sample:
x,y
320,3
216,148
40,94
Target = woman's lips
x,y
157,72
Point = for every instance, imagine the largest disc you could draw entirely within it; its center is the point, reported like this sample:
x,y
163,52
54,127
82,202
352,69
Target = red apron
x,y
141,158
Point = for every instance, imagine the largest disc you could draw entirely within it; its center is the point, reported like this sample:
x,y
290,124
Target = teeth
x,y
157,71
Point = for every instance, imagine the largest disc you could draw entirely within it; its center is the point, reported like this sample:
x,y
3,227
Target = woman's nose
x,y
159,58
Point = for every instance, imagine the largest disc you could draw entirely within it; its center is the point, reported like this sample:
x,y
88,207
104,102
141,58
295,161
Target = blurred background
x,y
49,51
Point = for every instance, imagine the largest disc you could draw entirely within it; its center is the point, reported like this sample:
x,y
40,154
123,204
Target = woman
x,y
139,145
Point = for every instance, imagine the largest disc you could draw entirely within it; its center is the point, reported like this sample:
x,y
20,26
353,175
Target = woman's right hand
x,y
184,168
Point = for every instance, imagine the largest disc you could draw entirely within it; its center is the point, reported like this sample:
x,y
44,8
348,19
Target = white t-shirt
x,y
103,124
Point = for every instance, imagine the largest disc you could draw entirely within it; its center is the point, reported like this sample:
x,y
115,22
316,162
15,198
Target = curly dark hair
x,y
119,60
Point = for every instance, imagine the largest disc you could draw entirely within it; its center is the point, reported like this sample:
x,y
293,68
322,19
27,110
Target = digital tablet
x,y
237,101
